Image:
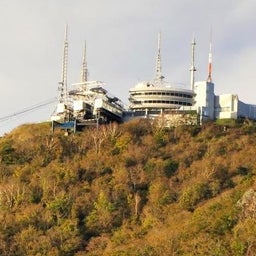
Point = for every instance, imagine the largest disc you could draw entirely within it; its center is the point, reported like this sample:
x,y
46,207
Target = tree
x,y
102,217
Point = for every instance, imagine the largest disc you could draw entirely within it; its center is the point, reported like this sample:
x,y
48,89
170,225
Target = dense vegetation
x,y
132,189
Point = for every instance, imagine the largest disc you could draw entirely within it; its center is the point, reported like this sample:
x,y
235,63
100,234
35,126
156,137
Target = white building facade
x,y
204,99
224,106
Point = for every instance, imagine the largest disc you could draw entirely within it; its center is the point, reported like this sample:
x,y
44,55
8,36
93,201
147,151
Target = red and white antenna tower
x,y
209,78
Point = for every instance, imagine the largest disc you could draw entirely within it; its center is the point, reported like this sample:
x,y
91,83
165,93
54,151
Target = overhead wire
x,y
28,109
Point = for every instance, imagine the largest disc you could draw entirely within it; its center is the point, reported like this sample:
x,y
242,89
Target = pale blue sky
x,y
121,47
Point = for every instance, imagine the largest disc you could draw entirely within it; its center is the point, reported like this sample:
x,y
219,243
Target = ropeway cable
x,y
28,109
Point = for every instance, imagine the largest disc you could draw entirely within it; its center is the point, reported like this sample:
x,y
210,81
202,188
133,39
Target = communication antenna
x,y
193,68
159,77
63,82
209,78
84,71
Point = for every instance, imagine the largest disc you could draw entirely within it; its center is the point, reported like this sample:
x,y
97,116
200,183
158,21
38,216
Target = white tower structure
x,y
63,82
158,76
192,68
84,71
63,110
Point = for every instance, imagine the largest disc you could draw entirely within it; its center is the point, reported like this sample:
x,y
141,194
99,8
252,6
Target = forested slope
x,y
130,189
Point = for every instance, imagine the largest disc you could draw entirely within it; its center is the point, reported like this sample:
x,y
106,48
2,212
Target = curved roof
x,y
149,86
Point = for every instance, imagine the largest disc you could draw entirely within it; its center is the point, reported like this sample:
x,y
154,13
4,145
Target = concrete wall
x,y
178,118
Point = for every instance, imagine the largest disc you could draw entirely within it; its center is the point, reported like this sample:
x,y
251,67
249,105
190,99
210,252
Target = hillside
x,y
132,189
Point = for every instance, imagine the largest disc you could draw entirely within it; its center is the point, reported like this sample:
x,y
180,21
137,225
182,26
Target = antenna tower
x,y
209,78
193,68
84,71
159,77
63,82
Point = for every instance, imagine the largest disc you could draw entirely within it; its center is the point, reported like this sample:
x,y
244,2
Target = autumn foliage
x,y
129,189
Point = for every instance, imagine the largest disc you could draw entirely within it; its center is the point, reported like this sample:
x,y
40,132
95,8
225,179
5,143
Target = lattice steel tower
x,y
158,76
84,71
63,96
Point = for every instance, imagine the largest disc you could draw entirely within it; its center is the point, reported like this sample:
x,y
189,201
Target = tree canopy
x,y
130,189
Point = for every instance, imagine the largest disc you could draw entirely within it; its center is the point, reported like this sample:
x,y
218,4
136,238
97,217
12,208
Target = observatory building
x,y
161,99
158,97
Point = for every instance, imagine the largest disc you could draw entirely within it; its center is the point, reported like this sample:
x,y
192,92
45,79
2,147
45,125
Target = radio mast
x,y
158,76
63,83
84,71
193,68
209,78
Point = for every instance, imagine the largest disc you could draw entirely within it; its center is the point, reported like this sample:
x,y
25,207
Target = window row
x,y
183,95
169,102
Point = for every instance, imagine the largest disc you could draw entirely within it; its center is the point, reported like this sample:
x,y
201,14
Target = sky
x,y
121,39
